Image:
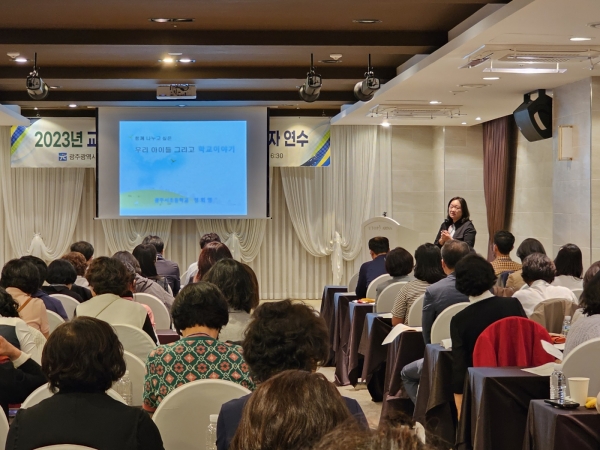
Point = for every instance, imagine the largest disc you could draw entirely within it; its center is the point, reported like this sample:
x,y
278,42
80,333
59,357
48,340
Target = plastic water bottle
x,y
566,325
124,388
558,384
211,433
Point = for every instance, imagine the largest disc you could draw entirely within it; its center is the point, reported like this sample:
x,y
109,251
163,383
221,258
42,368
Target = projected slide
x,y
182,168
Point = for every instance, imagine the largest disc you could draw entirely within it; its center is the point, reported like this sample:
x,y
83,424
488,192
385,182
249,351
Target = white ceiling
x,y
521,24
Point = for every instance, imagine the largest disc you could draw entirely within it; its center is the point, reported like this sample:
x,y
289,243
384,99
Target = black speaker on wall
x,y
534,117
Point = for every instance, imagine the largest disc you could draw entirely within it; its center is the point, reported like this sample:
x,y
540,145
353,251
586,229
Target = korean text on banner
x,y
299,141
54,142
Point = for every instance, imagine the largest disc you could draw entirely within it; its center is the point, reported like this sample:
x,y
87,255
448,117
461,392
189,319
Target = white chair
x,y
353,282
44,392
441,326
137,372
577,293
134,340
372,289
39,340
3,430
583,361
65,447
69,303
385,301
415,313
54,320
184,414
161,314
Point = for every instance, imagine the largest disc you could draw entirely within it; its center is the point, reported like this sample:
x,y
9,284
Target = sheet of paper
x,y
561,347
552,350
446,343
543,370
397,330
386,316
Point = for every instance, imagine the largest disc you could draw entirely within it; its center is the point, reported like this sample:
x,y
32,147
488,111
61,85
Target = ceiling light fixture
x,y
367,21
310,90
55,87
477,62
72,105
365,90
175,54
169,20
186,60
435,102
385,124
35,108
577,39
523,69
167,60
491,78
21,59
472,86
464,123
477,118
36,88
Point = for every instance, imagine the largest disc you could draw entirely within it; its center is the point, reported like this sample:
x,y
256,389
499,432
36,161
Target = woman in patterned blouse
x,y
199,312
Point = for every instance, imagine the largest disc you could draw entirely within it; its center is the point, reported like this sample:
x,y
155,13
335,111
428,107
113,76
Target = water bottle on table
x,y
211,433
124,388
566,325
558,384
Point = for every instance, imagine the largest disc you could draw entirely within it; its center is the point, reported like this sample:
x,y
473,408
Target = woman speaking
x,y
457,225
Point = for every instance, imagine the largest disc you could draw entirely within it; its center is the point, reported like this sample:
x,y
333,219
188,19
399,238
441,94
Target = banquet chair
x,y
440,329
577,293
69,303
372,289
54,320
134,340
385,301
583,361
3,430
137,371
415,313
40,341
160,311
65,447
353,282
182,424
512,341
551,313
44,392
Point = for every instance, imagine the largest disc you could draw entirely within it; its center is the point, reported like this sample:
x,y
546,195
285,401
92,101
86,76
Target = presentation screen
x,y
192,163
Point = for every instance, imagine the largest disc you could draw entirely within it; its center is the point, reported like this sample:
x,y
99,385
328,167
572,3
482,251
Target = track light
x,y
36,88
365,90
311,89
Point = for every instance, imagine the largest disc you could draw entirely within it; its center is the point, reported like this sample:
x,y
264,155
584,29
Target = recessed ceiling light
x,y
167,60
464,123
491,78
170,20
435,102
186,60
72,105
477,118
367,21
175,54
35,108
576,39
21,59
385,124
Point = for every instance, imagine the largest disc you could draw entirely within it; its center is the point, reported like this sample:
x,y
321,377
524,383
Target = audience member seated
x,y
14,329
82,359
60,277
144,285
538,273
128,294
292,410
109,279
475,277
504,242
589,275
20,278
398,264
164,267
81,285
199,313
87,250
239,285
569,267
281,336
51,303
191,272
438,297
210,254
378,248
146,256
428,270
20,375
588,325
528,246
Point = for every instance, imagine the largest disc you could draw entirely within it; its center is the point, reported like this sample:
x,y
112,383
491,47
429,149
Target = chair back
x,y
583,361
69,303
440,329
40,341
54,320
372,289
3,430
44,392
353,282
577,293
502,278
65,447
415,313
180,420
134,340
137,372
162,319
551,313
386,299
512,341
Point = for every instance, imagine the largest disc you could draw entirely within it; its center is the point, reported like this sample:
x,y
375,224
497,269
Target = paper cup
x,y
578,388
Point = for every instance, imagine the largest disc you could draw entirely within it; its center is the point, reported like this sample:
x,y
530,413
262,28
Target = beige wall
x,y
595,172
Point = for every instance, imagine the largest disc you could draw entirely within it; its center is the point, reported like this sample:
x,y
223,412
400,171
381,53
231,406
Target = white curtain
x,y
243,237
41,206
328,206
126,234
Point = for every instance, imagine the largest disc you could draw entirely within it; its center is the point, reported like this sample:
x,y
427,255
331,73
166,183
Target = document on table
x,y
552,350
397,331
544,370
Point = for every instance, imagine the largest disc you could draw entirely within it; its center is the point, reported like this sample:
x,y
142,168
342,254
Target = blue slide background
x,y
182,168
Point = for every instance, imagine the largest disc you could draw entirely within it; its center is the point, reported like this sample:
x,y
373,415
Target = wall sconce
x,y
565,143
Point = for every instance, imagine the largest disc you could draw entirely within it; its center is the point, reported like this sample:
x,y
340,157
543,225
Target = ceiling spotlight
x,y
385,124
491,78
21,59
367,21
35,108
365,90
186,60
311,88
72,105
435,102
36,88
576,39
477,118
464,123
167,60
